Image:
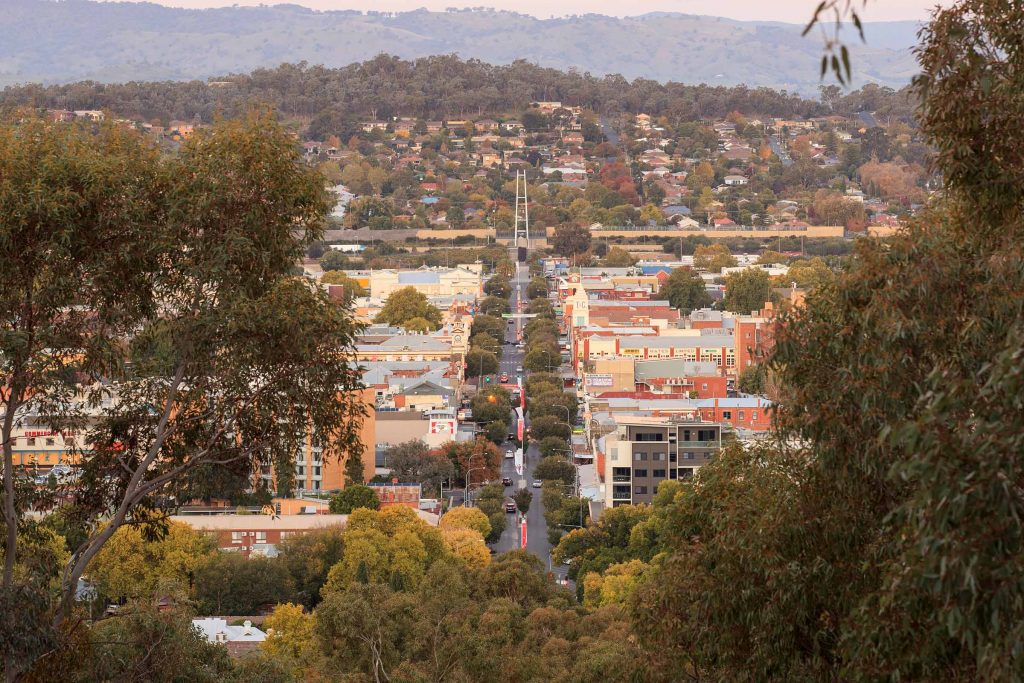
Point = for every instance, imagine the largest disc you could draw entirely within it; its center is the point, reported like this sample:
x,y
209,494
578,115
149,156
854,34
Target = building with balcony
x,y
642,452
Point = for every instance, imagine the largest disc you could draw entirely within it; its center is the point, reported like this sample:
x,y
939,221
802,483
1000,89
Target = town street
x,y
537,533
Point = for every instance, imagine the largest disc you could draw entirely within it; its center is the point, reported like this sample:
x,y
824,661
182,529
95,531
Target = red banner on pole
x,y
522,527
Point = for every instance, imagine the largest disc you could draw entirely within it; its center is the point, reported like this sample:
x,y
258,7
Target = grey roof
x,y
413,342
673,367
418,277
426,387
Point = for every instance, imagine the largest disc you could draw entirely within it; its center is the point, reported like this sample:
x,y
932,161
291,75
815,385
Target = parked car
x,y
510,507
504,377
536,483
519,369
506,481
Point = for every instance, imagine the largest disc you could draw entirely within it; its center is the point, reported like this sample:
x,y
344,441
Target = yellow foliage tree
x,y
468,546
291,637
130,566
467,518
379,544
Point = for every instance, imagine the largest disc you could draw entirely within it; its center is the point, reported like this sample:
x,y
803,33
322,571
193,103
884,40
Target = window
x,y
642,455
704,386
741,414
316,471
236,536
672,458
659,474
672,474
30,441
639,473
649,436
657,456
300,471
50,441
687,456
685,472
753,415
261,536
727,415
640,490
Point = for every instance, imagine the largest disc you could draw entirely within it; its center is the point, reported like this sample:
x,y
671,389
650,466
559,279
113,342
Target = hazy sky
x,y
796,11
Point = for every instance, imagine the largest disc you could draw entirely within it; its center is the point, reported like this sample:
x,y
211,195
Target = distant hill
x,y
50,42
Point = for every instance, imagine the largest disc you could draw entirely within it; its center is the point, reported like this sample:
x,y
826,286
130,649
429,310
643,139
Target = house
x,y
512,126
486,125
239,640
572,138
90,114
735,180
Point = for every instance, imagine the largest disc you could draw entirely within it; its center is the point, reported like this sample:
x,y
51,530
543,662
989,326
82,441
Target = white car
x,y
536,483
509,455
519,369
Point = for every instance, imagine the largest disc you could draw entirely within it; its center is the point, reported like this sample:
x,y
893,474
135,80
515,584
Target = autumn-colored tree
x,y
618,257
291,637
713,257
133,564
466,518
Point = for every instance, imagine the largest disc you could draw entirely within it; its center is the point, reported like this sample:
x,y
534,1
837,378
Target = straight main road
x,y
536,527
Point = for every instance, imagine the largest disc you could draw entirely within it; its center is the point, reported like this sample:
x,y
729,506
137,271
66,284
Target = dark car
x,y
510,507
506,481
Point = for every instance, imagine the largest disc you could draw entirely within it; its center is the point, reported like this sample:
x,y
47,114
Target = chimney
x,y
246,628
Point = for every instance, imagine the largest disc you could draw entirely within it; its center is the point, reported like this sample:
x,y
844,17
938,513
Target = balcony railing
x,y
699,444
621,479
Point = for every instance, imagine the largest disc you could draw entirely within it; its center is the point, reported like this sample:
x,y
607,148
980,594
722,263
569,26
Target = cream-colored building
x,y
432,282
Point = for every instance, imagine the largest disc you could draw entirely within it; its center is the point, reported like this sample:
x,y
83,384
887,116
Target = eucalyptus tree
x,y
148,306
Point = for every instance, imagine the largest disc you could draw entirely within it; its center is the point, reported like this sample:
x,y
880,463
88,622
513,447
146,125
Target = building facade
x,y
643,452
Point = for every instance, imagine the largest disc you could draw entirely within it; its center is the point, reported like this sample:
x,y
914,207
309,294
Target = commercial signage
x,y
522,538
443,426
599,381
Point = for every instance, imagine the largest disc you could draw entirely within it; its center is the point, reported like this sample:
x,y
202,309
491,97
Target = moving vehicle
x,y
510,507
536,483
504,377
519,369
506,481
510,454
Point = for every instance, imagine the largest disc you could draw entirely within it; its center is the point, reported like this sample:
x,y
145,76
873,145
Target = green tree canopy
x,y
494,306
404,305
499,286
480,362
537,288
747,290
571,240
490,325
353,497
412,461
555,468
229,583
685,290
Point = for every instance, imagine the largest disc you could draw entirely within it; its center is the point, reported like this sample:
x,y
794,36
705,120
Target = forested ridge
x,y
436,87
